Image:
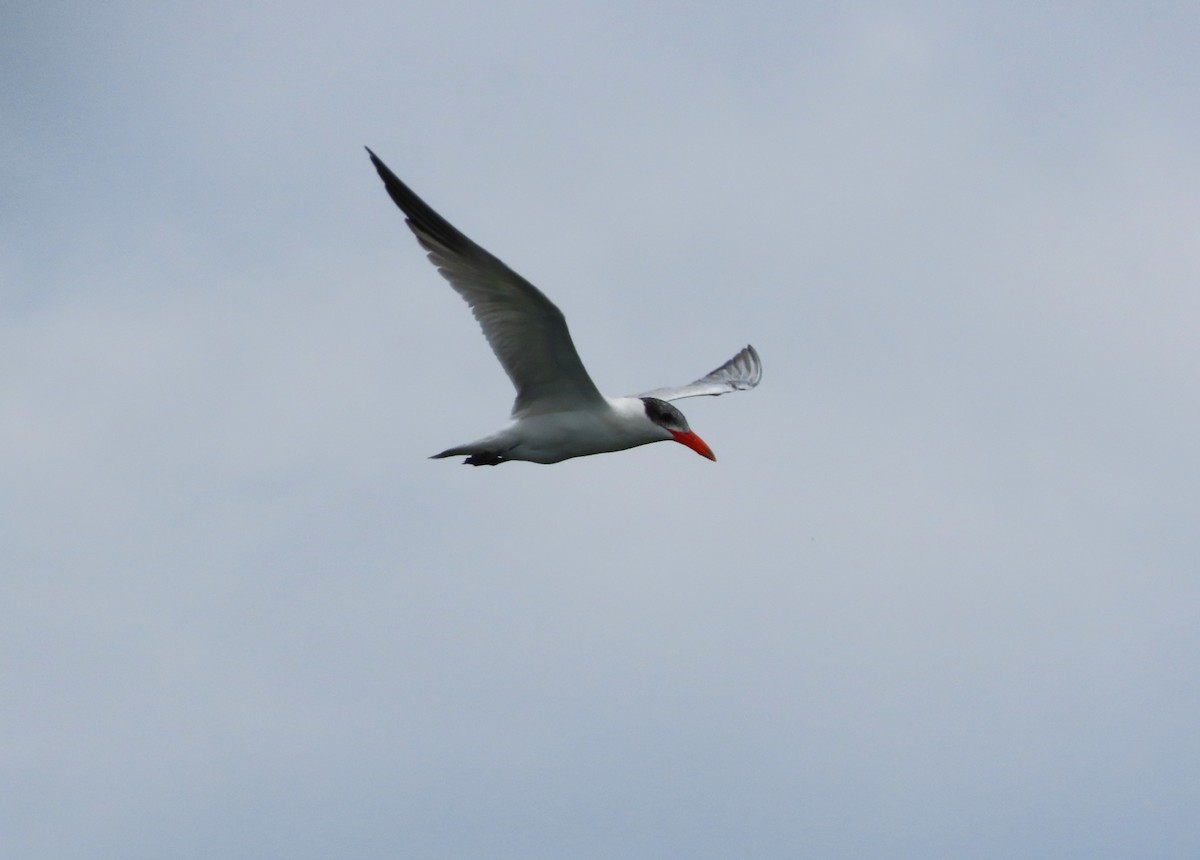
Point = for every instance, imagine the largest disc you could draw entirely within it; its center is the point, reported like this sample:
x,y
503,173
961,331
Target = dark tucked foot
x,y
485,459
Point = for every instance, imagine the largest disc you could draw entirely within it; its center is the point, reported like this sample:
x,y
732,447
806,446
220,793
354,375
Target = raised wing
x,y
526,331
740,373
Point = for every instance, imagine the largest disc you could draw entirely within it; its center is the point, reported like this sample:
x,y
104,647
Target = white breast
x,y
556,436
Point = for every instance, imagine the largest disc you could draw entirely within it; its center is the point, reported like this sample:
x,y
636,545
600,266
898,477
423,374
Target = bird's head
x,y
665,416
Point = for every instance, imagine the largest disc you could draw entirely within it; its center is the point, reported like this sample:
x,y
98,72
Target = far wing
x,y
526,331
740,373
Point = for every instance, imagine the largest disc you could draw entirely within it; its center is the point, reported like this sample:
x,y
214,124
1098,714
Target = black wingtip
x,y
421,217
399,192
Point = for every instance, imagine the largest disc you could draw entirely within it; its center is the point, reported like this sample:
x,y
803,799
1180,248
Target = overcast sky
x,y
938,597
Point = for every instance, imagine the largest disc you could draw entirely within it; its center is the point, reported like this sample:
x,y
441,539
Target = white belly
x,y
561,435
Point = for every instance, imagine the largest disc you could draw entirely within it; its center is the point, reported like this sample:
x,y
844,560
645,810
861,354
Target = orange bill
x,y
695,443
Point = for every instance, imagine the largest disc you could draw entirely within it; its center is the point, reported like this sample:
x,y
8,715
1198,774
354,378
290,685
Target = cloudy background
x,y
938,598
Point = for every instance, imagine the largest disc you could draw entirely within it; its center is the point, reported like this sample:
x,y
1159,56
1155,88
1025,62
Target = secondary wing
x,y
740,373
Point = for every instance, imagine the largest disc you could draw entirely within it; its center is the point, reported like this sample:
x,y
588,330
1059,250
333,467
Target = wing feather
x,y
740,373
526,331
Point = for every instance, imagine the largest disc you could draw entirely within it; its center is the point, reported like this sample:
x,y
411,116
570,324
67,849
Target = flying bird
x,y
559,413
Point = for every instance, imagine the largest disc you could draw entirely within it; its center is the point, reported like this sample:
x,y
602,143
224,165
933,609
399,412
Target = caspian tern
x,y
559,413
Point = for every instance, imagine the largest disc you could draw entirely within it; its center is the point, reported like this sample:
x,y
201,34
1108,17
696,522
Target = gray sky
x,y
938,597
